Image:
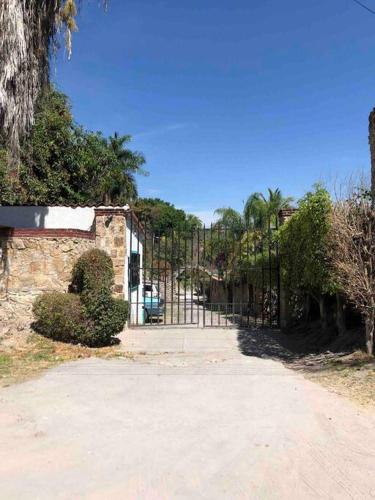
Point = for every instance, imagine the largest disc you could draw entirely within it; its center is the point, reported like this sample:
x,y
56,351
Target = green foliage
x,y
93,270
304,246
107,315
93,278
63,163
245,242
259,211
60,316
7,191
90,316
161,216
231,220
122,184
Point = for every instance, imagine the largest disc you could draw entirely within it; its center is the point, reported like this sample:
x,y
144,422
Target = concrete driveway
x,y
188,418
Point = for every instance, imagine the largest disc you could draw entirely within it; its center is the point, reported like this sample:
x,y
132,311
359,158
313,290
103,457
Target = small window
x,y
135,262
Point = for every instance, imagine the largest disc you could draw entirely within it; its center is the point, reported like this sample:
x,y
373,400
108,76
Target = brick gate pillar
x,y
110,226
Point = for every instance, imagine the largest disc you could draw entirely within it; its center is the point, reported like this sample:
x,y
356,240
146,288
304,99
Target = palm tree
x,y
260,211
231,219
29,30
255,211
121,184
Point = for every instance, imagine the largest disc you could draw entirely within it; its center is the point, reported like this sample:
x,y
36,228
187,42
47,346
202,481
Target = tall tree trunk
x,y
369,323
307,308
26,31
323,313
340,315
372,151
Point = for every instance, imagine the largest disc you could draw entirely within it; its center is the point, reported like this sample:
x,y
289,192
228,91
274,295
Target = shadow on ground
x,y
307,342
264,343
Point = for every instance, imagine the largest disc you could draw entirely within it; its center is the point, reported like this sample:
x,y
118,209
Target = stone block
x,y
118,289
35,266
119,241
17,244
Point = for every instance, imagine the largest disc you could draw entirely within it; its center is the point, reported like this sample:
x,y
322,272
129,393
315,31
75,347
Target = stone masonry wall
x,y
31,265
33,261
110,228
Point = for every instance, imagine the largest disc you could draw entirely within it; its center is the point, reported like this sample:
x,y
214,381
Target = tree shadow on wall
x,y
23,217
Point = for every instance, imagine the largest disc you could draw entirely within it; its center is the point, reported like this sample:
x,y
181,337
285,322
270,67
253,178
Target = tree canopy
x,y
29,30
259,210
162,216
62,162
305,246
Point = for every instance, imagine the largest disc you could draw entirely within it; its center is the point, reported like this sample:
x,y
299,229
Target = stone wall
x,y
110,228
37,261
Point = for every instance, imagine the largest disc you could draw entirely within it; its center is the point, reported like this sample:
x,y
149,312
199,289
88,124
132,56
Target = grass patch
x,y
35,354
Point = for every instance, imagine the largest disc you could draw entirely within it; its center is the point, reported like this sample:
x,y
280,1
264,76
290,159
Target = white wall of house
x,y
134,243
48,217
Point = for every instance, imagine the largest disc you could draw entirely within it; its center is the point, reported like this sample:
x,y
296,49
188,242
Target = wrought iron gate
x,y
208,277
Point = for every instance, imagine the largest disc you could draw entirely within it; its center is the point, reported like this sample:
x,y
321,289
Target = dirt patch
x,y
350,375
336,363
24,354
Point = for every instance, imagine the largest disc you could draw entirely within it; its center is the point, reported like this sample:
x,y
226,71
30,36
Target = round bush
x,y
107,316
91,316
92,271
60,316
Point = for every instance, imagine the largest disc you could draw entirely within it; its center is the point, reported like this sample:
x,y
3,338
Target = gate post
x,y
110,225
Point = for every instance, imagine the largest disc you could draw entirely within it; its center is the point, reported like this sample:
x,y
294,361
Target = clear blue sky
x,y
227,97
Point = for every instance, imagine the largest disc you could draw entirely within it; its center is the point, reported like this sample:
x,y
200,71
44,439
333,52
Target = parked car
x,y
153,304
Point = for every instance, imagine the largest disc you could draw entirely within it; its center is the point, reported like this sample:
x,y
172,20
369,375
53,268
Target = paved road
x,y
190,419
188,310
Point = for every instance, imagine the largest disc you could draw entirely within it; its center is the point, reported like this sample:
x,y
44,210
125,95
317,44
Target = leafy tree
x,y
63,163
29,30
247,234
353,257
7,193
305,249
230,219
193,222
259,210
122,183
162,216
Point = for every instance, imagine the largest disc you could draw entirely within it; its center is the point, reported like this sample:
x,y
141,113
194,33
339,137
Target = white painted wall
x,y
47,217
134,241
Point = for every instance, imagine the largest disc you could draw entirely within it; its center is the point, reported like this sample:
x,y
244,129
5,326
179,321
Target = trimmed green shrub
x,y
60,316
93,271
93,278
107,315
91,316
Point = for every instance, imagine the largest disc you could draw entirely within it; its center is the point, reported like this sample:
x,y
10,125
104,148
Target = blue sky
x,y
227,97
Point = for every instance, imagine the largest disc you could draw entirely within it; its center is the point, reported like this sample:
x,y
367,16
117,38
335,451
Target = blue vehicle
x,y
153,305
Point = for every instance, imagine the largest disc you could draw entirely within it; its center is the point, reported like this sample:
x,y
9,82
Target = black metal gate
x,y
207,277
